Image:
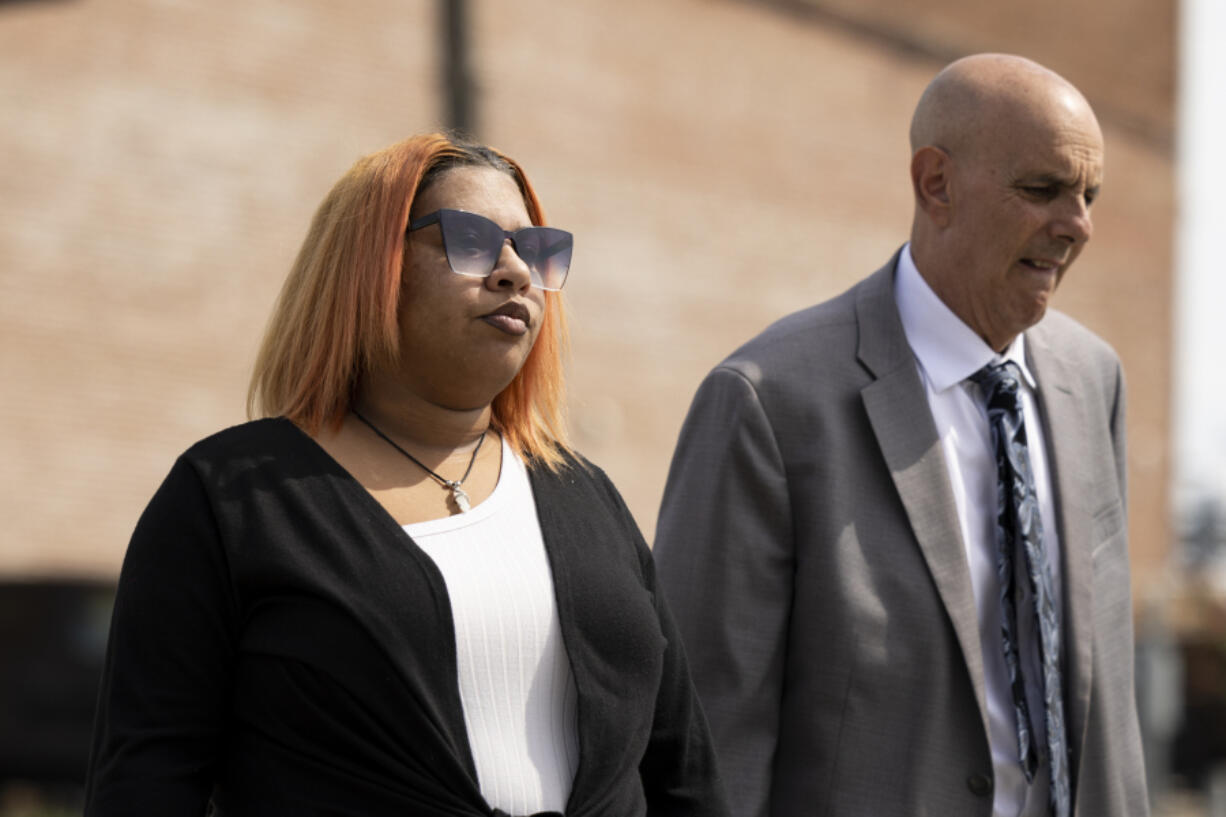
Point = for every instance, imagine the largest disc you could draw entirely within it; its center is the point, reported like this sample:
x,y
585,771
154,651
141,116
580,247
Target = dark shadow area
x,y
53,636
1200,745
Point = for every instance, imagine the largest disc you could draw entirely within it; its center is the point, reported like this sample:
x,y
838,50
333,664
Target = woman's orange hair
x,y
336,317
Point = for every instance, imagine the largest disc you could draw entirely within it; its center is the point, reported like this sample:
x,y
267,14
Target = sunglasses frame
x,y
439,216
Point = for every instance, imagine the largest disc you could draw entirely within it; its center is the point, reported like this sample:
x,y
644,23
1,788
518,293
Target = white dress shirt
x,y
948,351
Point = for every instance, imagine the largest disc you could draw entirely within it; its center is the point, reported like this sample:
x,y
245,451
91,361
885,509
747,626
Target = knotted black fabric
x,y
1019,527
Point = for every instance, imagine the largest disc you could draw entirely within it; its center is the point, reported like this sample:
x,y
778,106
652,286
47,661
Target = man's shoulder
x,y
817,337
1061,335
827,316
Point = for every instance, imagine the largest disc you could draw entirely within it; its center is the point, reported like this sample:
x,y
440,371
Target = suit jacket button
x,y
979,784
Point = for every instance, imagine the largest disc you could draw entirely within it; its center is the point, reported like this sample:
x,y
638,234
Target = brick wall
x,y
722,163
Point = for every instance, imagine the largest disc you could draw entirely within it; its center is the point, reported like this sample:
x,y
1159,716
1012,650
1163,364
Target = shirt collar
x,y
947,349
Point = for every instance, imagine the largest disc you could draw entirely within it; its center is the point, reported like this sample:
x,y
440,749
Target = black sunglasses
x,y
473,244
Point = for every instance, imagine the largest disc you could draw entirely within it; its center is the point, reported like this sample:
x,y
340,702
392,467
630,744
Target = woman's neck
x,y
427,426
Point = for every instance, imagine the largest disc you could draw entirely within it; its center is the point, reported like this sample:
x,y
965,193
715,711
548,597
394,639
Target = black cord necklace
x,y
457,493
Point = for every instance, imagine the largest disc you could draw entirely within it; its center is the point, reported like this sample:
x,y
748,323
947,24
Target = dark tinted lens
x,y
472,242
547,252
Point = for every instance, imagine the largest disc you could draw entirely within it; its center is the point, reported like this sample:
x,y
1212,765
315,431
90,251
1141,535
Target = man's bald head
x,y
975,97
1006,158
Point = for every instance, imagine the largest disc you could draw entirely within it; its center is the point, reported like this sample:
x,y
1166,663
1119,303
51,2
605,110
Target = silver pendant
x,y
458,495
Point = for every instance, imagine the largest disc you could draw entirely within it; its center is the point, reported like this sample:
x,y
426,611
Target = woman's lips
x,y
512,318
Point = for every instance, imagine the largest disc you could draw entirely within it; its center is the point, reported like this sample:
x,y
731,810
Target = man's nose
x,y
1073,223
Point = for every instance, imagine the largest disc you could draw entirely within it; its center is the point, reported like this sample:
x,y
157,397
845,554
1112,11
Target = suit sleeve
x,y
724,552
165,688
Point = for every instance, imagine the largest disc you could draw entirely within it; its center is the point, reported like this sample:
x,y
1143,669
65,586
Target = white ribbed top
x,y
515,680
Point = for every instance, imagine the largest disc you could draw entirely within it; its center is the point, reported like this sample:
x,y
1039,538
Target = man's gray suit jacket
x,y
810,549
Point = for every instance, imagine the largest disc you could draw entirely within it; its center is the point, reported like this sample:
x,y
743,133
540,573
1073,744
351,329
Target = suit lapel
x,y
1066,435
912,450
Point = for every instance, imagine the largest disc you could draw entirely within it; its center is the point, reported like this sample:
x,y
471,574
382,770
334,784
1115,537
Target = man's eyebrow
x,y
1056,179
1046,178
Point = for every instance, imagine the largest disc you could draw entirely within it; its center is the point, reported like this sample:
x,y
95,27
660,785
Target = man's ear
x,y
930,180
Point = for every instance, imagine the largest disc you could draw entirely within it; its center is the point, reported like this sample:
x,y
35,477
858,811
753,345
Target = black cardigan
x,y
281,646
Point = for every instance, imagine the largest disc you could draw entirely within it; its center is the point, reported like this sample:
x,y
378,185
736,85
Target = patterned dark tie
x,y
1019,527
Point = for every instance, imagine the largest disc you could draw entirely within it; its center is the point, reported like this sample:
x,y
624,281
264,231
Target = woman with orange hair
x,y
401,592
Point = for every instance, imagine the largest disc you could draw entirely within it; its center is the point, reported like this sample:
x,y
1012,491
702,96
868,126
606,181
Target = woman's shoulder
x,y
270,445
251,459
574,468
247,444
577,476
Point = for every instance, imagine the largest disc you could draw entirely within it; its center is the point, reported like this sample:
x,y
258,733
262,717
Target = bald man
x,y
876,624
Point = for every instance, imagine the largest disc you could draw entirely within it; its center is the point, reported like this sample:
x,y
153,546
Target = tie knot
x,y
998,380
